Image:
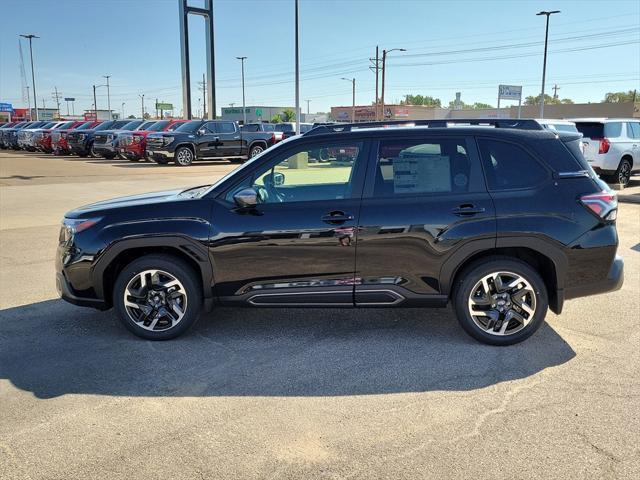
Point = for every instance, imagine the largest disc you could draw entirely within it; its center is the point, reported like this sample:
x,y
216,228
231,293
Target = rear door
x,y
633,132
592,133
229,140
425,202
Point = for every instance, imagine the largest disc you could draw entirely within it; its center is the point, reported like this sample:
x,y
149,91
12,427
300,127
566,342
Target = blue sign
x,y
6,107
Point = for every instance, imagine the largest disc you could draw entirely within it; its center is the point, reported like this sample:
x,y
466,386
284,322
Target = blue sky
x,y
465,46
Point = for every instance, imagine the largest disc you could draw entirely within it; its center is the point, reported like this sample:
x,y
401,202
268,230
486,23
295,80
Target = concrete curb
x,y
635,198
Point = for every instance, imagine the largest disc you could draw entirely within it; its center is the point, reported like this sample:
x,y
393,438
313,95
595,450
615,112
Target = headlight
x,y
136,139
167,140
82,136
71,226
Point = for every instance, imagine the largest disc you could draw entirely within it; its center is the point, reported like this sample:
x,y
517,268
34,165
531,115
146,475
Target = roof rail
x,y
518,123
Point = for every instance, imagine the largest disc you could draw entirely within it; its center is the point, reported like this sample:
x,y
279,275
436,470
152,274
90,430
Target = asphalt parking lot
x,y
297,393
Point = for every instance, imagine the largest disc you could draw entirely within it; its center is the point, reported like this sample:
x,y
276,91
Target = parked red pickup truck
x,y
133,145
59,144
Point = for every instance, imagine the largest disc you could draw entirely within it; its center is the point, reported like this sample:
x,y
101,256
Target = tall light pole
x,y
29,102
297,75
142,98
123,110
244,111
95,103
384,60
108,96
308,102
353,99
544,64
30,37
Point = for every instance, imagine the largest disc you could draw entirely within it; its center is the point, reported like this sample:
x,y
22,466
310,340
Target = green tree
x,y
620,97
466,106
421,100
289,115
276,119
548,100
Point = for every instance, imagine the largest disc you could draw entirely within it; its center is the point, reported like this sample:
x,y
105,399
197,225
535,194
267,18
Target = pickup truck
x,y
105,143
262,127
206,140
81,142
133,145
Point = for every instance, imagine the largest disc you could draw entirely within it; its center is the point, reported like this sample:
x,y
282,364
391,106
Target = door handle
x,y
467,209
336,217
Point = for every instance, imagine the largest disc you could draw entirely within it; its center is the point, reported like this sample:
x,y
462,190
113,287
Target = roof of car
x,y
604,120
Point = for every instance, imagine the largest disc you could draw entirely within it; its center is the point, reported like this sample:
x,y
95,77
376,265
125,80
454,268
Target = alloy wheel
x,y
502,303
624,173
155,300
257,150
184,157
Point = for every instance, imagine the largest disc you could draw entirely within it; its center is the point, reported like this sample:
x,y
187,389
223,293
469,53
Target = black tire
x,y
184,157
623,173
180,271
256,150
471,275
161,161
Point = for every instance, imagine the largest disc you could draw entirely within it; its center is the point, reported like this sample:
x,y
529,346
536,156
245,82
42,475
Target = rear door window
x,y
591,129
613,129
508,166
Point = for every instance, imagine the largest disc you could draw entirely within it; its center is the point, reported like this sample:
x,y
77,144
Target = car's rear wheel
x,y
256,150
184,156
500,300
157,297
623,173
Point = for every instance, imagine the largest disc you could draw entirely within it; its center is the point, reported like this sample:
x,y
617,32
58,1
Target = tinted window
x,y
250,128
158,126
210,127
105,125
284,127
225,127
189,127
422,166
308,174
267,127
508,166
146,125
84,126
66,125
613,130
633,129
174,126
591,129
131,125
563,127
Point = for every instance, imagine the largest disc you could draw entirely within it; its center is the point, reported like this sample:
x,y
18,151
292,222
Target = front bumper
x,y
104,149
78,148
66,293
161,154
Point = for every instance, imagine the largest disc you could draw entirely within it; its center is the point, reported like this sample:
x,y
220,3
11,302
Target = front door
x,y
425,199
297,246
207,140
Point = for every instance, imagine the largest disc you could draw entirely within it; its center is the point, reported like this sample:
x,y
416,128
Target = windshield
x,y
158,126
146,125
564,127
105,125
49,125
84,126
189,127
131,125
65,125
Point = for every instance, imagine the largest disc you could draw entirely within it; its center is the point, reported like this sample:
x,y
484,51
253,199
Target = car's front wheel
x,y
500,300
184,156
157,297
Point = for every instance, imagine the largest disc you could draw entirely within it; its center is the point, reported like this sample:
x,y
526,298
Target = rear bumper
x,y
613,282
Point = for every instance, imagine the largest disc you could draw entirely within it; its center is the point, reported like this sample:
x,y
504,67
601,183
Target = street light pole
x,y
30,37
108,97
353,99
544,63
95,104
384,70
142,97
123,110
244,110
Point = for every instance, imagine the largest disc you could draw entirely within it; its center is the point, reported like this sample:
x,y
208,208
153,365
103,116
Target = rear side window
x,y
422,166
250,128
225,127
508,166
633,129
613,130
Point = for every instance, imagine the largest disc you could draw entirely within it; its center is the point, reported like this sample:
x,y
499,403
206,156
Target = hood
x,y
102,207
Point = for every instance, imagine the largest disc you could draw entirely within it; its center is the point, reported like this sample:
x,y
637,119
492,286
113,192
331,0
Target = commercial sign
x,y
402,112
69,99
6,107
231,111
164,106
510,92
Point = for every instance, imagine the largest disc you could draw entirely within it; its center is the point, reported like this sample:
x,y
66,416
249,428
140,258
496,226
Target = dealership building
x,y
254,113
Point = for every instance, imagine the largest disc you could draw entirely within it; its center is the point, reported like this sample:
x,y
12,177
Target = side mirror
x,y
278,179
246,198
202,131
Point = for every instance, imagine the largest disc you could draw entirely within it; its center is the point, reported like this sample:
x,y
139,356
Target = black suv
x,y
499,217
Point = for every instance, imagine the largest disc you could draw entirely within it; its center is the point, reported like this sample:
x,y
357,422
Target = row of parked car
x,y
164,141
611,146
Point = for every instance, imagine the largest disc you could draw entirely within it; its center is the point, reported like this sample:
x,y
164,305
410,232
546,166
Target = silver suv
x,y
611,146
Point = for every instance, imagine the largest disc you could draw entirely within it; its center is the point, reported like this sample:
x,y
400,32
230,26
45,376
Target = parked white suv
x,y
611,146
557,125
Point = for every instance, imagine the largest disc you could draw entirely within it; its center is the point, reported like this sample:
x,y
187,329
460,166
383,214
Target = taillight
x,y
603,204
604,145
273,138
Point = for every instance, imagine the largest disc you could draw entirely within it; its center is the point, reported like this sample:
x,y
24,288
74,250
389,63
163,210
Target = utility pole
x,y
555,91
108,97
308,101
544,64
29,101
203,87
95,104
30,37
122,109
142,98
376,69
57,95
297,75
156,107
384,61
244,110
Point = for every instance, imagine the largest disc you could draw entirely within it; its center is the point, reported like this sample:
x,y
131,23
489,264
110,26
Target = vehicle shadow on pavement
x,y
53,348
